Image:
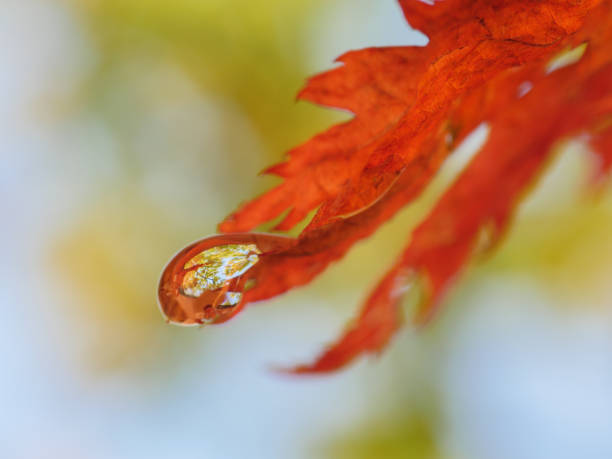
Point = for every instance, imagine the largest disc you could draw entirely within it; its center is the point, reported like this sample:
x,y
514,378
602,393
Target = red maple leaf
x,y
486,61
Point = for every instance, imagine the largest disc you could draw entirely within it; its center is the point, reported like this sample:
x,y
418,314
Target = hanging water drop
x,y
204,283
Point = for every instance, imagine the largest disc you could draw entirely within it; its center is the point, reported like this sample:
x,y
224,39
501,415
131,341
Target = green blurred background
x,y
130,128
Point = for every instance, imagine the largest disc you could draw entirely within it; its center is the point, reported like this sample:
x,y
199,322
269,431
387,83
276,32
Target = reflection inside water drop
x,y
215,267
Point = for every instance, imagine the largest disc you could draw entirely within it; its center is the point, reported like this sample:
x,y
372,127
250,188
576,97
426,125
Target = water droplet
x,y
204,282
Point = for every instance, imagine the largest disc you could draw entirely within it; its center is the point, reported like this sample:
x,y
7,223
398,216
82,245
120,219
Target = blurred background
x,y
129,128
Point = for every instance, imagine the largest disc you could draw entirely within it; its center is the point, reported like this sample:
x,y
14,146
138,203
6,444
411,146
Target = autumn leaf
x,y
537,72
